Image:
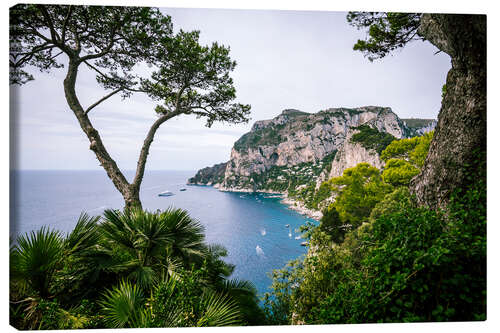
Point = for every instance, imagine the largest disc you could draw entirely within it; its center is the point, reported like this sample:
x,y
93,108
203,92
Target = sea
x,y
259,232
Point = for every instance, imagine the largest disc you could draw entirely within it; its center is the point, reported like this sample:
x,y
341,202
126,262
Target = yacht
x,y
165,194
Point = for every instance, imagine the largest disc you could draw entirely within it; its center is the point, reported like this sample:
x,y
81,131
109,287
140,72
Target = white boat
x,y
165,194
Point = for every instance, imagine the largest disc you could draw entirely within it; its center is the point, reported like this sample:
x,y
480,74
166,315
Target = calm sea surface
x,y
251,226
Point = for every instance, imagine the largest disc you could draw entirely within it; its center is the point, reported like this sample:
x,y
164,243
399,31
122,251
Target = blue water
x,y
250,226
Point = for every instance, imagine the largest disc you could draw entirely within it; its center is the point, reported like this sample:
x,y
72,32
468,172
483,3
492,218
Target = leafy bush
x,y
371,138
413,150
404,158
358,190
407,263
101,275
399,172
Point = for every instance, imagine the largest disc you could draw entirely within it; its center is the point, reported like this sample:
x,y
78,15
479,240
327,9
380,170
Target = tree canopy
x,y
404,158
386,31
113,42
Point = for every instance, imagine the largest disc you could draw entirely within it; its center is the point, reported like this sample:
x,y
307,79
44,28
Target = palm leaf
x,y
84,237
220,310
37,256
122,305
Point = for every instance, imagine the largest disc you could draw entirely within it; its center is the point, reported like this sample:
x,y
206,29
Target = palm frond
x,y
220,310
241,287
37,256
84,237
122,305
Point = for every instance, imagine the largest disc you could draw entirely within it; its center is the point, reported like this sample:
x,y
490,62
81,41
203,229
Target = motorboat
x,y
182,189
165,194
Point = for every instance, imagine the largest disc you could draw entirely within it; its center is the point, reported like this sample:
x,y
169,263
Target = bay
x,y
252,227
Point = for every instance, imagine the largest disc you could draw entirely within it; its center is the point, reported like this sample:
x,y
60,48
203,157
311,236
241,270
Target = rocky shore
x,y
299,207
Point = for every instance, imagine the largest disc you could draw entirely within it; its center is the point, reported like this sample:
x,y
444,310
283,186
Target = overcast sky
x,y
286,59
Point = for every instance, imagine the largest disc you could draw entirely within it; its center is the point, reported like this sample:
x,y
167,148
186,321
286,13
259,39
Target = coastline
x,y
291,203
299,207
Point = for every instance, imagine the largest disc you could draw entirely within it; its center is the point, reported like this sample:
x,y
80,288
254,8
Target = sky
x,y
286,59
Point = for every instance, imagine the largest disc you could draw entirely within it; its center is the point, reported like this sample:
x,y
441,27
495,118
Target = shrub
x,y
371,138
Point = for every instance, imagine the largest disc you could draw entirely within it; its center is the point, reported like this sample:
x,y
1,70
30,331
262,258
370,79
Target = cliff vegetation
x,y
377,256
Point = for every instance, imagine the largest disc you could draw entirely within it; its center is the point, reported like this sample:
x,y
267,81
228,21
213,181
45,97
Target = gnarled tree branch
x,y
103,99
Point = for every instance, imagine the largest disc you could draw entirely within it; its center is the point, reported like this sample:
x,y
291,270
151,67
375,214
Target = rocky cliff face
x,y
298,150
417,127
351,154
209,175
298,138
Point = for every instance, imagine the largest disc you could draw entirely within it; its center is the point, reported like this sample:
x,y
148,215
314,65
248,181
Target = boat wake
x,y
259,251
263,232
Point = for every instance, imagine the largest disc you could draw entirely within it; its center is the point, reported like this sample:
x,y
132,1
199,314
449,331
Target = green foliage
x,y
332,225
194,79
265,136
443,90
119,37
358,190
122,306
371,138
406,264
101,274
184,76
289,179
151,245
182,302
34,260
386,31
413,150
399,172
278,303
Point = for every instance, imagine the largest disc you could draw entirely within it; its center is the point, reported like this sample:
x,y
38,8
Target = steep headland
x,y
296,151
209,175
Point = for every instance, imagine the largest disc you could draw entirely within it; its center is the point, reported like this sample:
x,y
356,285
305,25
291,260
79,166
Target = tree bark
x,y
141,161
129,192
460,135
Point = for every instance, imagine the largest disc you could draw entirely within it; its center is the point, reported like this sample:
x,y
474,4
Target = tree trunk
x,y
129,192
143,156
460,135
132,199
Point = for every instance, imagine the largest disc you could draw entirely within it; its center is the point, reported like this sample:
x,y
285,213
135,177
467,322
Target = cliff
x,y
296,151
417,127
209,175
295,147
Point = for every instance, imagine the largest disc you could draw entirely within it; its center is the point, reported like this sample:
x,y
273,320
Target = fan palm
x,y
244,293
86,259
35,258
219,270
123,306
204,306
151,244
219,310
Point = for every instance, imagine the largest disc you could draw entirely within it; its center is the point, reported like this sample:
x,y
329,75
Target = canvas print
x,y
184,167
